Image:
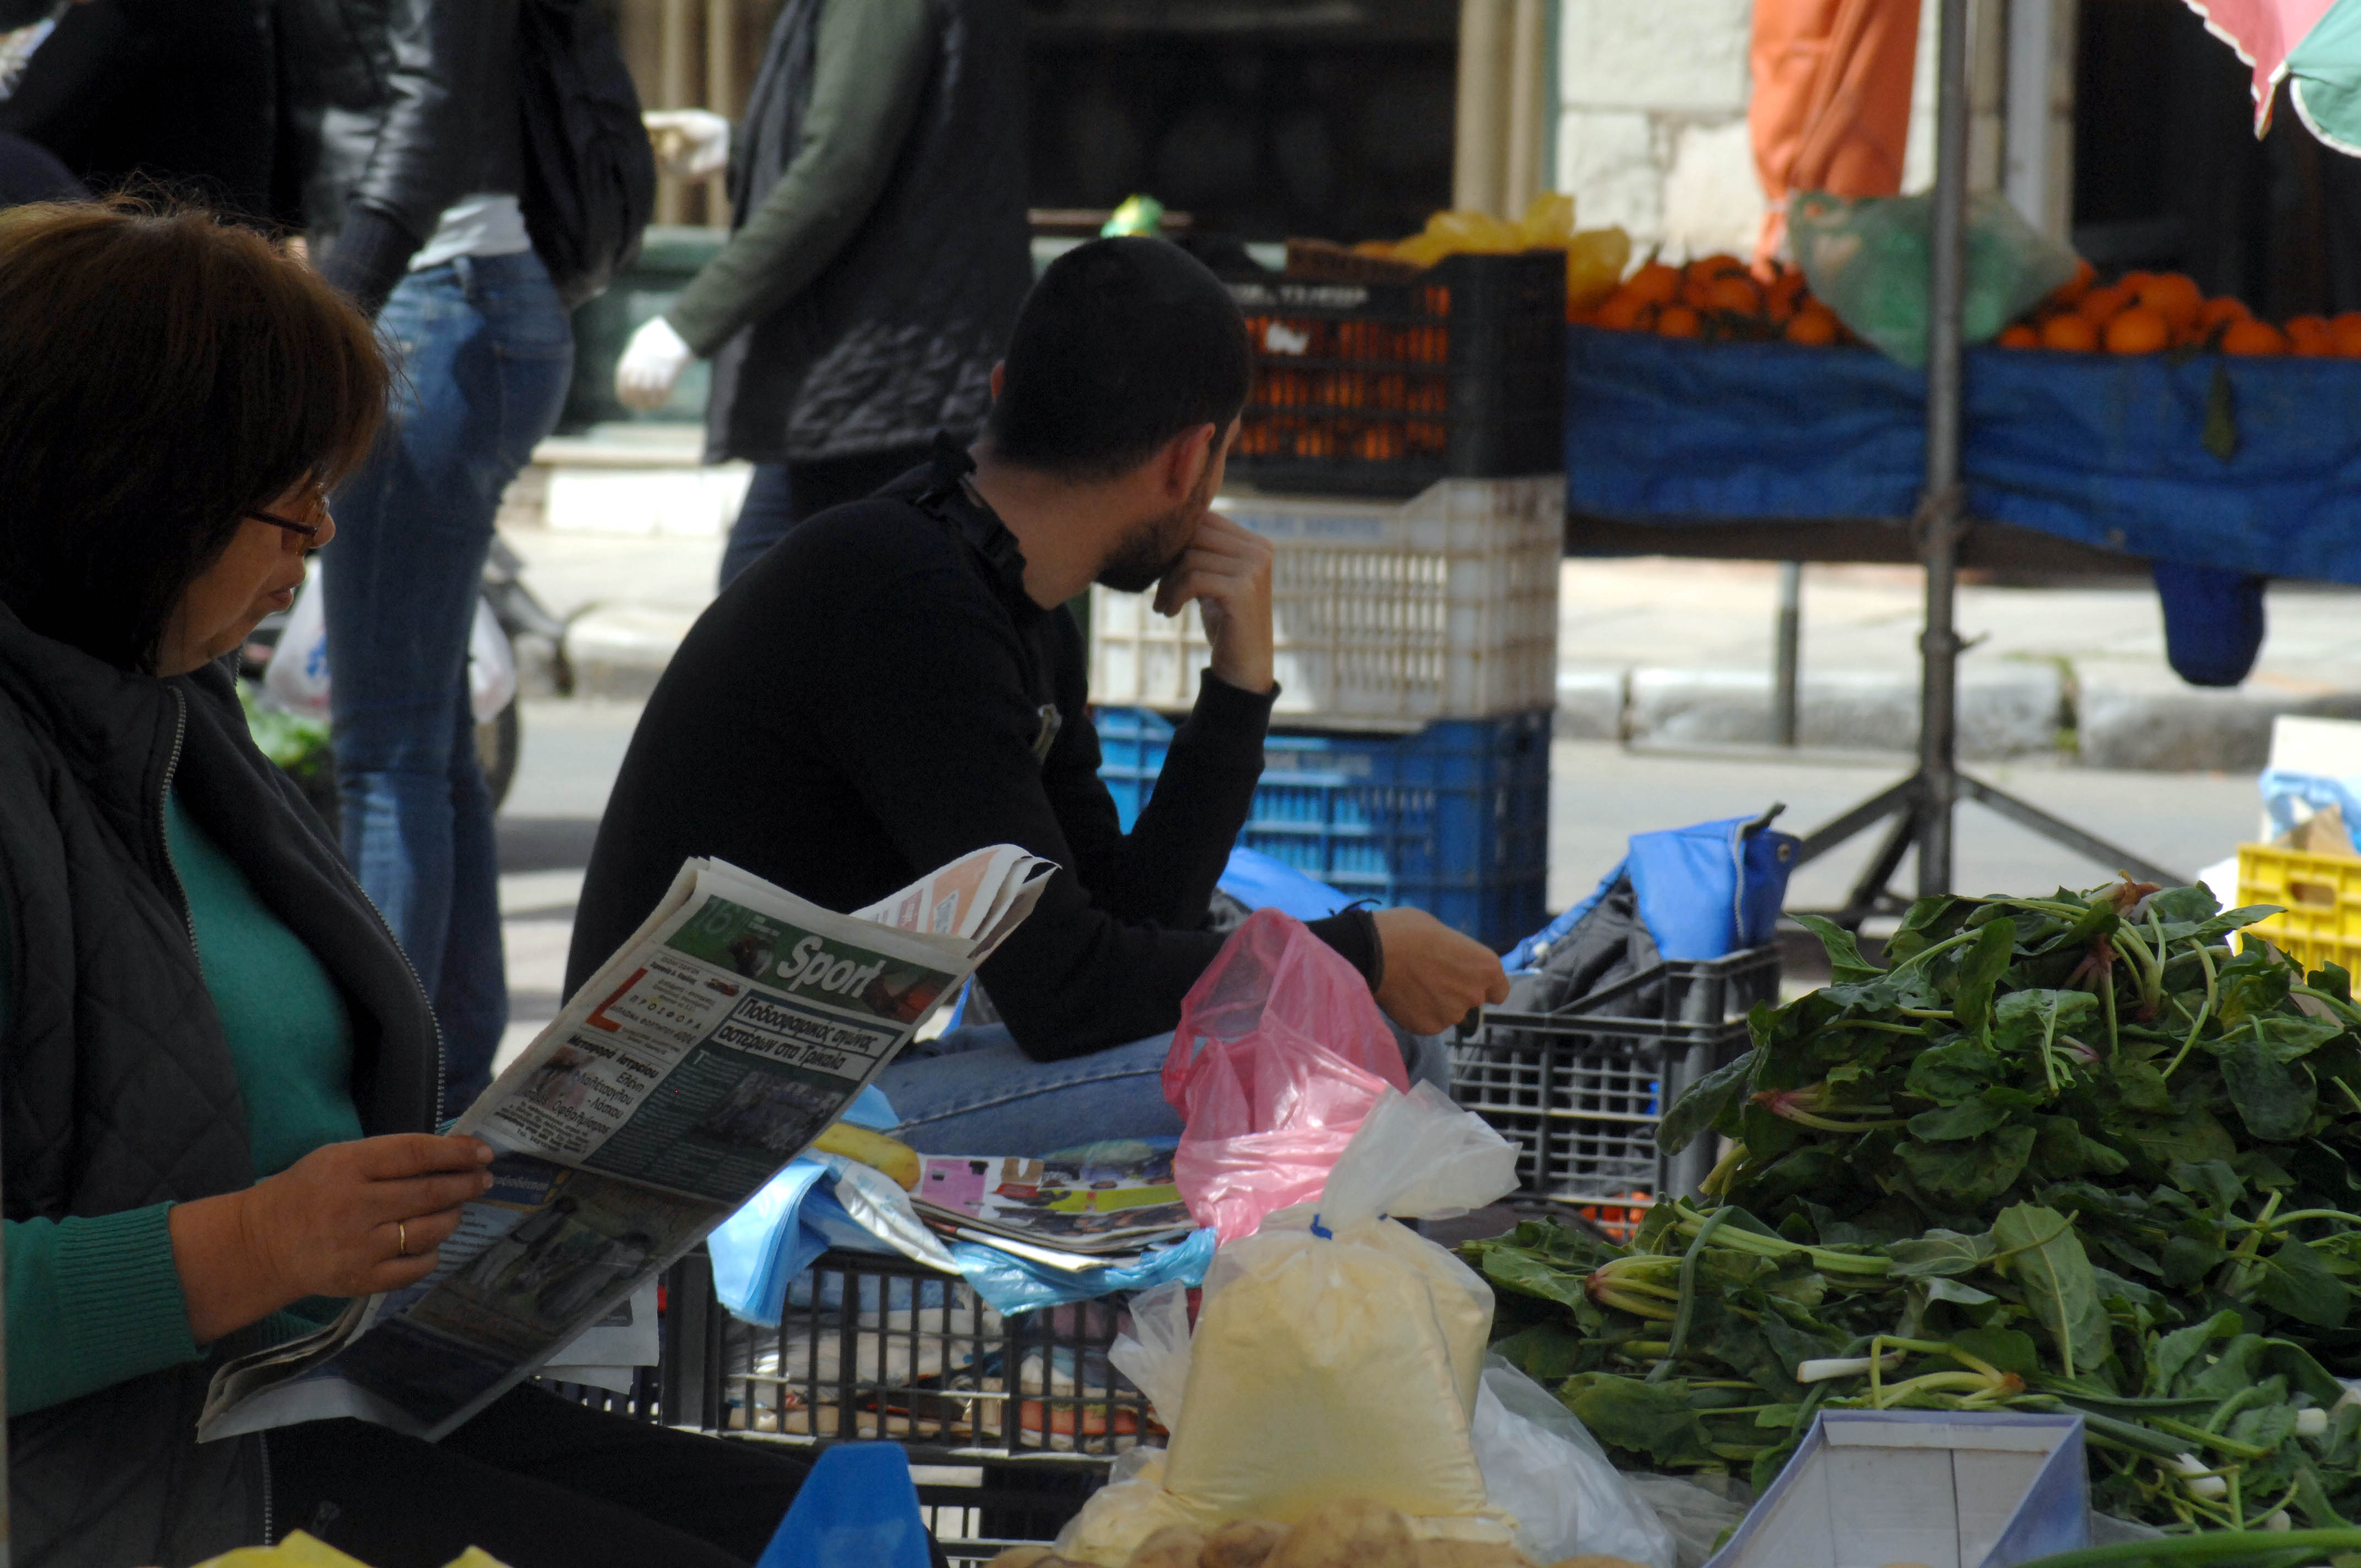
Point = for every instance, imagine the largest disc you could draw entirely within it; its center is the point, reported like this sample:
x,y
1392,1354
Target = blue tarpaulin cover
x,y
2107,450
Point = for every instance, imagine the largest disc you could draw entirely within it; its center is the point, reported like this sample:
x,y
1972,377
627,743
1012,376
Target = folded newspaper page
x,y
737,1023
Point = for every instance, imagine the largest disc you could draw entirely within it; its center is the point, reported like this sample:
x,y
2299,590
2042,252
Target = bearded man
x,y
899,682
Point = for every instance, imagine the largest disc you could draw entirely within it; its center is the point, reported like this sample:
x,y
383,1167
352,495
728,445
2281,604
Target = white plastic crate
x,y
1386,613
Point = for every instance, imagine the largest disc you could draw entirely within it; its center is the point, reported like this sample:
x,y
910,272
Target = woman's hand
x,y
346,1220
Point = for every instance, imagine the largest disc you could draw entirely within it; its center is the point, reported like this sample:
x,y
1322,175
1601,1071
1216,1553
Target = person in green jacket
x,y
880,253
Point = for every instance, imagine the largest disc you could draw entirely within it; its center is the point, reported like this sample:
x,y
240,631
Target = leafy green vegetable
x,y
2063,1153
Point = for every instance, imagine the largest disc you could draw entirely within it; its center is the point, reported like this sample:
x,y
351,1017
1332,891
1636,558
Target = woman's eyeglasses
x,y
307,532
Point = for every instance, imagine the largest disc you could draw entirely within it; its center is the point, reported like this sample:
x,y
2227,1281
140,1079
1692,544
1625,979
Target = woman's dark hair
x,y
160,373
1123,344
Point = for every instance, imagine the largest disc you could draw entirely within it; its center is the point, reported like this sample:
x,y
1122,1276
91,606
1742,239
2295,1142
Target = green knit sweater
x,y
95,1301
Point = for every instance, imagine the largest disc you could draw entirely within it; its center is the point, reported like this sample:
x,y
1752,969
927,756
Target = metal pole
x,y
1943,511
1785,646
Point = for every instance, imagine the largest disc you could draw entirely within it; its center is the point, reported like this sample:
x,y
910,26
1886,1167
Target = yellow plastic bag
x,y
301,1551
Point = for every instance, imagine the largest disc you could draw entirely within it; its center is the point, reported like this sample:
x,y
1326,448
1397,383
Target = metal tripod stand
x,y
1922,804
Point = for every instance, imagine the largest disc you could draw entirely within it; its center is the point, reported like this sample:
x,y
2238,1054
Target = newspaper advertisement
x,y
713,1048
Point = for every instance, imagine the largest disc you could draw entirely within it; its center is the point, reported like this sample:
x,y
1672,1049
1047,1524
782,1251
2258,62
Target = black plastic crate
x,y
1383,389
1580,1091
870,1346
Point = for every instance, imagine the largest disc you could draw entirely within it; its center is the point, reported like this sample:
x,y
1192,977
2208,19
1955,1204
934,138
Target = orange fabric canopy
x,y
1832,103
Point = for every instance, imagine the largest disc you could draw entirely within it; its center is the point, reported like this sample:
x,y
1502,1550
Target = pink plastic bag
x,y
1280,1054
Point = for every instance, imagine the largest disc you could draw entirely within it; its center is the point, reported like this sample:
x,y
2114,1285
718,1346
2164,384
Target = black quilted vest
x,y
116,1088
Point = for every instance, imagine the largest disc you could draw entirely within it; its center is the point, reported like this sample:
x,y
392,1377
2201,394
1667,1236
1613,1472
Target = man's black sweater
x,y
877,695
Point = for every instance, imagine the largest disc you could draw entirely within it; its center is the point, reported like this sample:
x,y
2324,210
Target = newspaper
x,y
1096,1199
736,1024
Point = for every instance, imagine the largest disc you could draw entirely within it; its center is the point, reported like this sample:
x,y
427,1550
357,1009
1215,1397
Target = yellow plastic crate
x,y
2320,902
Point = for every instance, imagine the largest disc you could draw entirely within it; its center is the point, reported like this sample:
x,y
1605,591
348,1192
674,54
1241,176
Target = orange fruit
x,y
1736,293
2140,329
1815,326
2345,332
2311,336
2074,287
1708,268
1627,310
2214,312
2136,282
2071,331
1678,321
2252,337
2175,296
2099,304
2019,335
1655,284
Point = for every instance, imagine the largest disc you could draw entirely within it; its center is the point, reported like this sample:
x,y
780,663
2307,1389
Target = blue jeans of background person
x,y
485,349
974,1091
782,495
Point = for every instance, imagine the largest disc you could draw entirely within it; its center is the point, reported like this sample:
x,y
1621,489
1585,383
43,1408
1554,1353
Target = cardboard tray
x,y
1946,1488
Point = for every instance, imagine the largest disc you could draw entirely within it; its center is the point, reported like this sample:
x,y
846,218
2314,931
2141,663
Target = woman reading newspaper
x,y
217,1072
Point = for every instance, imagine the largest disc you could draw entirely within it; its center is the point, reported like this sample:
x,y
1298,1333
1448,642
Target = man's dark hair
x,y
160,373
1123,344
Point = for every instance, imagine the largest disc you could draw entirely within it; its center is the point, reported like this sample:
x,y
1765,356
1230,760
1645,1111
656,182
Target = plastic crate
x,y
1580,1091
2319,899
1385,614
1382,389
1453,819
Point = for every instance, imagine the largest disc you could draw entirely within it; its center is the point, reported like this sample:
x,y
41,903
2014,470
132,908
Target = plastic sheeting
x,y
2122,453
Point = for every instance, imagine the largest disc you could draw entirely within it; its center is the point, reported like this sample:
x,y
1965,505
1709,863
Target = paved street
x,y
1600,794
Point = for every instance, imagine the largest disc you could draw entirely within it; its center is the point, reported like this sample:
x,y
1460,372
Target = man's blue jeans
x,y
973,1091
484,349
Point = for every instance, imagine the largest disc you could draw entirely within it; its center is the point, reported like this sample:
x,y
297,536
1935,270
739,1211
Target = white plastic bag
x,y
297,676
1542,1467
1337,1352
1155,1354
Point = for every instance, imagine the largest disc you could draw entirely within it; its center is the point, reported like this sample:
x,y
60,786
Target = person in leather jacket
x,y
411,109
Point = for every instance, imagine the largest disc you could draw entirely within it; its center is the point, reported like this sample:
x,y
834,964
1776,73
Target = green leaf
x,y
1988,958
1951,1073
1940,1251
1530,1276
2065,1151
2172,1352
2176,904
2211,1182
1969,1119
1546,1352
1846,966
2189,1259
1968,1174
2060,1288
2011,1350
2193,1135
2297,1281
2219,436
2142,1086
2274,1098
1959,1295
1654,1418
1703,1104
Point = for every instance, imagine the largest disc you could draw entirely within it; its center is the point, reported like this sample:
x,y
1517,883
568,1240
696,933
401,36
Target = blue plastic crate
x,y
1453,819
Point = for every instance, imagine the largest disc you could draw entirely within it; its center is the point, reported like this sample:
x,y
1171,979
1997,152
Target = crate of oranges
x,y
1373,387
1719,297
2158,312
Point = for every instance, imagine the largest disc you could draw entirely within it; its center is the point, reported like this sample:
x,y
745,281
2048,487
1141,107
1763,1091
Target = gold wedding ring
x,y
400,1239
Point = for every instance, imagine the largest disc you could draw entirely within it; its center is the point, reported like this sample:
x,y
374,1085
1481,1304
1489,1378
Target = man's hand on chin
x,y
1434,976
1228,572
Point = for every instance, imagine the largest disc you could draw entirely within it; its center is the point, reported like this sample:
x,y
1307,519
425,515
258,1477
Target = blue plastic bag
x,y
2212,621
1704,891
773,1237
858,1508
1265,881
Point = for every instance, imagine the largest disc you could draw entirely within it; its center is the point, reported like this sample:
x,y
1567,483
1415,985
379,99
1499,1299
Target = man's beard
x,y
1153,547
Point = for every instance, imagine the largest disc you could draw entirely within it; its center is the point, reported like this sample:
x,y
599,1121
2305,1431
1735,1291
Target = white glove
x,y
691,143
652,362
